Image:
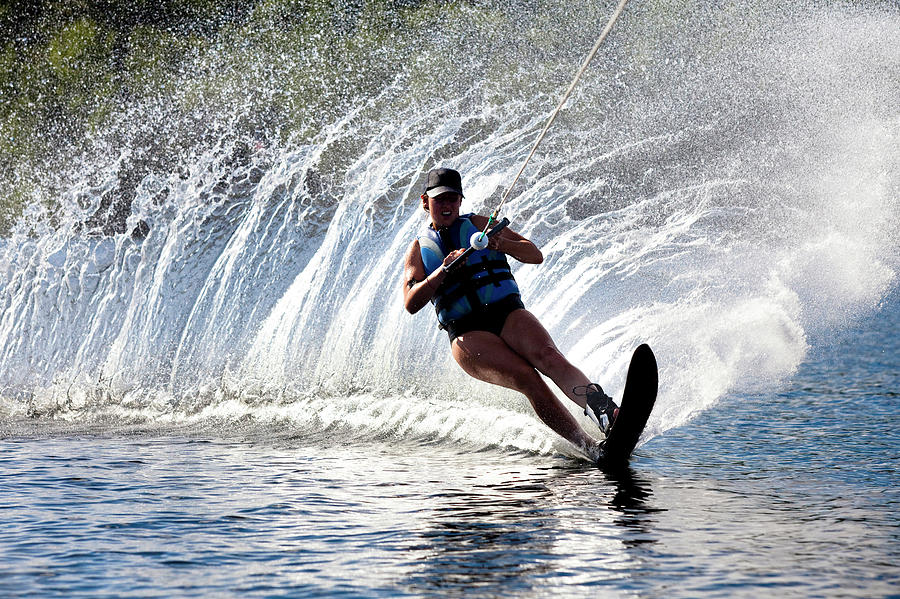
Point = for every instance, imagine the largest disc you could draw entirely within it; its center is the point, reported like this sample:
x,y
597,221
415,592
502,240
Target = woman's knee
x,y
530,383
522,377
548,359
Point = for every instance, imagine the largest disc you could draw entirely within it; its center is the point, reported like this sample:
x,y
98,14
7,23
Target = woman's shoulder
x,y
413,247
477,220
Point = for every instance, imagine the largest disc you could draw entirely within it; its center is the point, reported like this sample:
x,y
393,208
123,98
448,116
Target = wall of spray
x,y
723,185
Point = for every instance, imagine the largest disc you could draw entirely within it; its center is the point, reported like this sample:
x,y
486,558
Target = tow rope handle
x,y
497,228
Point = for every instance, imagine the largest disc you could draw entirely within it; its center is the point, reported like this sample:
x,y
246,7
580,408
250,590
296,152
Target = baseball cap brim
x,y
436,191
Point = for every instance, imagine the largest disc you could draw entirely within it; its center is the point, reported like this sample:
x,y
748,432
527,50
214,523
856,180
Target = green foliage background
x,y
69,71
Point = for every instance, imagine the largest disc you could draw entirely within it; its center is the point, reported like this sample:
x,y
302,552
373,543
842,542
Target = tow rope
x,y
562,101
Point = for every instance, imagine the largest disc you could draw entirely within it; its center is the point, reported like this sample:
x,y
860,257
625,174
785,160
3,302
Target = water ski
x,y
637,403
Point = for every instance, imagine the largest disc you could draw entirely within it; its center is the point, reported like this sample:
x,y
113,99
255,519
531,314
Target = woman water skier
x,y
492,336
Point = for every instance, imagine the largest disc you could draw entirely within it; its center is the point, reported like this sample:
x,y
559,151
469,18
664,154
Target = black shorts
x,y
490,318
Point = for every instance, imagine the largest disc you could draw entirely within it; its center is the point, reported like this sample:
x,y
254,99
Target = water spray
x,y
552,118
479,240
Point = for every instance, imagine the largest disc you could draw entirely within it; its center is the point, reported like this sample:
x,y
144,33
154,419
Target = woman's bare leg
x,y
524,333
488,358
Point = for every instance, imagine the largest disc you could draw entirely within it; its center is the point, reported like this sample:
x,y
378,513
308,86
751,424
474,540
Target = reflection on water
x,y
631,501
132,514
507,536
487,537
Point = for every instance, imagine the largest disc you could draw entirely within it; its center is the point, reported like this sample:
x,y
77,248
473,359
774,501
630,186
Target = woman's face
x,y
444,208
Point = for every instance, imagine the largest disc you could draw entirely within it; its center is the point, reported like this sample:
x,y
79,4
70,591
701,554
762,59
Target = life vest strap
x,y
470,291
469,270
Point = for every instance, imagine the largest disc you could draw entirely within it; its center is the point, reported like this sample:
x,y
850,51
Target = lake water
x,y
792,493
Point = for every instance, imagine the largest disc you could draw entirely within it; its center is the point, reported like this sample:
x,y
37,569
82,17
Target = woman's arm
x,y
418,289
511,243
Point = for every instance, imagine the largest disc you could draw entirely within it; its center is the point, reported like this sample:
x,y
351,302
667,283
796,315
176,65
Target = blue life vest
x,y
484,278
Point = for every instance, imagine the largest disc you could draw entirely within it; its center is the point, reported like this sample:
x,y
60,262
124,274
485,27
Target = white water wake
x,y
721,207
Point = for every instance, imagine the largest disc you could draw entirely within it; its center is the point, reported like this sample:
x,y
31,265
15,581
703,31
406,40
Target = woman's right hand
x,y
453,256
